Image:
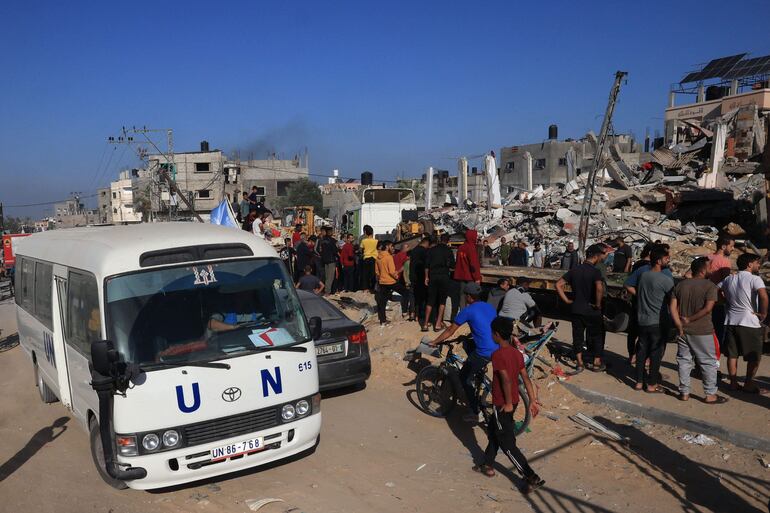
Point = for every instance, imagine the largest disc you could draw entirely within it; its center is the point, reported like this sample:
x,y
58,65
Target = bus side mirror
x,y
315,327
103,357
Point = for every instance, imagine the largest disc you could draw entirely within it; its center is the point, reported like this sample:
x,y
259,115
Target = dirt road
x,y
379,453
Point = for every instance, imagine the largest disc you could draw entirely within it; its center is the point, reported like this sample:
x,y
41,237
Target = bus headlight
x,y
288,412
170,438
150,441
302,408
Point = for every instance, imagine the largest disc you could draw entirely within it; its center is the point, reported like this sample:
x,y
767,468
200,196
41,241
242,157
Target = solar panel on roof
x,y
715,68
750,67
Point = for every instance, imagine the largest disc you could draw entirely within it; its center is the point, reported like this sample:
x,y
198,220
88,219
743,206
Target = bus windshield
x,y
203,312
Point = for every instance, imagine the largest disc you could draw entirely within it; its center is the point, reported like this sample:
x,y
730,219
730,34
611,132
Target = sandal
x,y
594,368
424,328
484,470
719,400
638,387
656,390
577,370
684,397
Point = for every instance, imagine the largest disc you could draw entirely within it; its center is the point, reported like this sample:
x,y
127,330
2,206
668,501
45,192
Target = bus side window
x,y
83,319
43,287
17,279
27,284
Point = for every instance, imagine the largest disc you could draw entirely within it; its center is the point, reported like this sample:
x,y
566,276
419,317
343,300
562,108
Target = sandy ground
x,y
379,453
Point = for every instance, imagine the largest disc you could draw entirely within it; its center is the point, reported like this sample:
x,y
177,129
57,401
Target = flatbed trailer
x,y
545,279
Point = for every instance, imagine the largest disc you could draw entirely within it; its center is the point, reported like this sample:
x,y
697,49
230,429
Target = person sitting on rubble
x,y
479,316
497,294
570,259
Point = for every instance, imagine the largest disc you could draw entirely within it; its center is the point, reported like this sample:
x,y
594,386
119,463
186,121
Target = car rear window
x,y
317,307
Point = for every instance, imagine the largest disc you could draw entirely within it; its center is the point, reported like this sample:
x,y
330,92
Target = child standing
x,y
507,366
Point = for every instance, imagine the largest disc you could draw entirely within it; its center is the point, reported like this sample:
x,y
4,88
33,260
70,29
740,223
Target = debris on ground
x,y
256,504
698,440
590,423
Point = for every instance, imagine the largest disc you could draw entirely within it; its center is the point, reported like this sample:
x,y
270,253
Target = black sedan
x,y
342,350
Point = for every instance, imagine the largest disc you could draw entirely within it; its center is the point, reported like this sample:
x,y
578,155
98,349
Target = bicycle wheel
x,y
435,392
521,415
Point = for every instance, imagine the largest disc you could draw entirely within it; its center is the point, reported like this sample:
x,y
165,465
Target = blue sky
x,y
390,87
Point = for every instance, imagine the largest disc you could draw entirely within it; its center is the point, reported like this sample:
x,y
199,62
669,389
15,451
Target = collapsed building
x,y
709,178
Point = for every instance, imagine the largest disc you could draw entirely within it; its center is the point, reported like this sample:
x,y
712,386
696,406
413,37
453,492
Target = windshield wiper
x,y
290,349
210,365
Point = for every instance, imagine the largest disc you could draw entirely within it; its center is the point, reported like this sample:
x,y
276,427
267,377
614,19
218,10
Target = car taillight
x,y
358,338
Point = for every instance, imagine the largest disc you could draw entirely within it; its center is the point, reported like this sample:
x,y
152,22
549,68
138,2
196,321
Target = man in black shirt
x,y
519,256
327,249
417,262
439,264
587,286
622,258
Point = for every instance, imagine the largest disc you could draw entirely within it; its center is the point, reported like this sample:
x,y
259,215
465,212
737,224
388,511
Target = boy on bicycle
x,y
479,315
507,367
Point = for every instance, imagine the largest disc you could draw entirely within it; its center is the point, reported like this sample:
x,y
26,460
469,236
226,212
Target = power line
x,y
48,202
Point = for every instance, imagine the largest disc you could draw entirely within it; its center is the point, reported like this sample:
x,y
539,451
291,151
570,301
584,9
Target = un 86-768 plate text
x,y
230,450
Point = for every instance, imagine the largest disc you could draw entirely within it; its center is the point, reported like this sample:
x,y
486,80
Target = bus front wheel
x,y
97,453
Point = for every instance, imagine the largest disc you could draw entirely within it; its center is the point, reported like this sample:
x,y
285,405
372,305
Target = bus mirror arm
x,y
105,358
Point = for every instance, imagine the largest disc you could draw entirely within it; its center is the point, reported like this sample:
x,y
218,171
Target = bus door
x,y
59,307
83,325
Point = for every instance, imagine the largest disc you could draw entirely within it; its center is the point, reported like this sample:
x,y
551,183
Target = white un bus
x,y
181,348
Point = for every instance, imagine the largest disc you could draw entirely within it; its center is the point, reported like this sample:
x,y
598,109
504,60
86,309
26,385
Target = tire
x,y
521,415
46,394
435,392
97,454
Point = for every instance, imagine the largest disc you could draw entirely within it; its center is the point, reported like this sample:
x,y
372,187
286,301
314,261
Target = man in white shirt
x,y
538,256
746,310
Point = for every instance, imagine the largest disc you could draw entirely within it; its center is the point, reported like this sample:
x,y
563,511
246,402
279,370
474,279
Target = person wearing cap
x,y
519,256
479,316
587,286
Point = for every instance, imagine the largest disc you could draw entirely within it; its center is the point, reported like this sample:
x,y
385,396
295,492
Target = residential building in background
x,y
205,177
122,201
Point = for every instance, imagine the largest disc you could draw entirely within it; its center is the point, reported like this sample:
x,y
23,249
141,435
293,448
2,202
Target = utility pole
x,y
169,156
599,159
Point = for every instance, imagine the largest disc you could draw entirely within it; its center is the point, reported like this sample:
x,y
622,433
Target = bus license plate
x,y
329,349
228,451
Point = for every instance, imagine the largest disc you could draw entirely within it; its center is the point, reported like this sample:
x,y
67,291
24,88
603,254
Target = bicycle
x,y
438,386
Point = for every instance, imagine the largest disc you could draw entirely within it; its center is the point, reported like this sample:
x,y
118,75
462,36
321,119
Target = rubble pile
x,y
679,197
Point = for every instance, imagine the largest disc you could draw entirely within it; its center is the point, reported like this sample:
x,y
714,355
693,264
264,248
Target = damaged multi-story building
x,y
207,176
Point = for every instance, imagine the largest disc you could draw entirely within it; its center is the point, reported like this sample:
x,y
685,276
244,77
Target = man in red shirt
x,y
467,268
507,366
348,261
